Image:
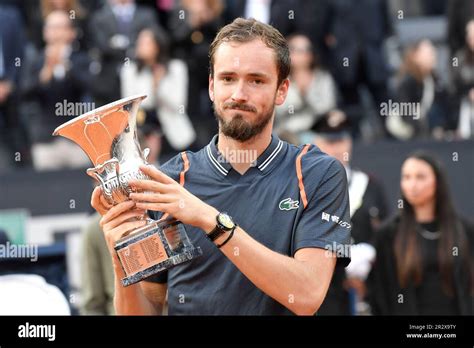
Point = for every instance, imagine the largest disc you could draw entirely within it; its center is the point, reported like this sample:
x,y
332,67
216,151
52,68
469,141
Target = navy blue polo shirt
x,y
273,206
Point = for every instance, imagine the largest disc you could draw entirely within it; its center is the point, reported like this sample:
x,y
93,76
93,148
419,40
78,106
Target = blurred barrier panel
x,y
46,193
384,161
68,192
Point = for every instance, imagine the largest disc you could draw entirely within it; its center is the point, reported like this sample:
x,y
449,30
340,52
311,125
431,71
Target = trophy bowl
x,y
108,135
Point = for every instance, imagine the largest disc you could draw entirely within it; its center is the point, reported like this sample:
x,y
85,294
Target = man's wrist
x,y
208,219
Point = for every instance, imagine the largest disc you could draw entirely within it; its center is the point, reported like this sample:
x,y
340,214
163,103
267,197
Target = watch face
x,y
226,221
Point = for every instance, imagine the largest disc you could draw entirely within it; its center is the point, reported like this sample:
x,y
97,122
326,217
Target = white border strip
x,y
215,162
272,156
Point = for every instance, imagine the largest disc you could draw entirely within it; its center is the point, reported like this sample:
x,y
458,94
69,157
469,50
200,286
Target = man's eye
x,y
257,82
227,79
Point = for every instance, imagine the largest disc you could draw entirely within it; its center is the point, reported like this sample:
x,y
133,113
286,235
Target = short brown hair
x,y
246,30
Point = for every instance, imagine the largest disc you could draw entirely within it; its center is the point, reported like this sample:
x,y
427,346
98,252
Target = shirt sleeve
x,y
325,222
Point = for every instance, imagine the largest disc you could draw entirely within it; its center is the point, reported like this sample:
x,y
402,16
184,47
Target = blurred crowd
x,y
60,58
353,78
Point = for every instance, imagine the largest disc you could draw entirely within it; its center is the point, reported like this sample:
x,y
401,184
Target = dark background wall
x,y
384,160
52,192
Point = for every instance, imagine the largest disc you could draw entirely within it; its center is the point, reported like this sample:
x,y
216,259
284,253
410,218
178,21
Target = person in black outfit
x,y
418,84
192,27
367,209
115,29
356,31
59,74
13,137
3,237
460,12
424,263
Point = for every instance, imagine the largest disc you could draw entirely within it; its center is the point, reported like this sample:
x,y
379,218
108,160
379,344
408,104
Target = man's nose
x,y
240,94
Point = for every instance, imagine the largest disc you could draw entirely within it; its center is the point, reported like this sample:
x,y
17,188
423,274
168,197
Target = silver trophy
x,y
108,135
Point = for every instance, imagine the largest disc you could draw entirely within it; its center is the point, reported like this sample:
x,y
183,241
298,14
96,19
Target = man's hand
x,y
119,220
99,202
116,220
166,195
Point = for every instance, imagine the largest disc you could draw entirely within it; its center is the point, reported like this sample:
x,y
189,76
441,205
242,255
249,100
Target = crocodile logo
x,y
288,204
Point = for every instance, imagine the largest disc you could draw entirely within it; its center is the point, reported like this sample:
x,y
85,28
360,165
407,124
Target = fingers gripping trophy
x,y
108,135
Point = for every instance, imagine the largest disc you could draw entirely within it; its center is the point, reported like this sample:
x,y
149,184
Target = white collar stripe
x,y
214,161
271,157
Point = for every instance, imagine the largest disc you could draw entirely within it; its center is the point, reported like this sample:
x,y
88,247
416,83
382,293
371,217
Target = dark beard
x,y
241,130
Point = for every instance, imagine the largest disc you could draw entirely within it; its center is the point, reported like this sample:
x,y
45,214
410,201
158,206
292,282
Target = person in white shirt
x,y
165,82
312,91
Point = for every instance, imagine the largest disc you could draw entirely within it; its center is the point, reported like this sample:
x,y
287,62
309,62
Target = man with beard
x,y
272,219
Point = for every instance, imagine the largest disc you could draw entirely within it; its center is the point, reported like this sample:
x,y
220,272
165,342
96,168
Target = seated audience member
x,y
39,10
13,135
421,105
346,295
56,83
193,24
312,91
463,83
165,82
114,30
424,263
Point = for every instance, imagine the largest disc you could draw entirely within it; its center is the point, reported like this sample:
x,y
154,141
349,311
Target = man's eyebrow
x,y
255,74
226,73
261,75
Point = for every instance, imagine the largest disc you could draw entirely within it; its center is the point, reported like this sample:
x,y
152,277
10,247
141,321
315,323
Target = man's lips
x,y
235,109
239,107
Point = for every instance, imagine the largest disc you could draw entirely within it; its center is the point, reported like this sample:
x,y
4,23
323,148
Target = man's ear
x,y
211,88
282,92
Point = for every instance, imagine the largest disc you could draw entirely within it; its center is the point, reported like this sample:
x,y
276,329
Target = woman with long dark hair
x,y
424,263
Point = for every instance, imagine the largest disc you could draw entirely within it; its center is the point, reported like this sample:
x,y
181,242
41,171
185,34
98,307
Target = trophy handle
x,y
146,153
99,169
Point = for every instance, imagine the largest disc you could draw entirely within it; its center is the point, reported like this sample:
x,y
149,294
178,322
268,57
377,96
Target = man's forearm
x,y
289,281
131,300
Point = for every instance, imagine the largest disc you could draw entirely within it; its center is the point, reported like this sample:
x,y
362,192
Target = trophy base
x,y
154,248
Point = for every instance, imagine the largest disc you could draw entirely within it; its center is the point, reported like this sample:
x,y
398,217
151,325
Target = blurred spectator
x,y
55,80
312,91
459,13
31,294
274,12
97,271
193,25
355,37
368,209
311,19
114,30
3,237
418,88
463,83
12,126
424,263
153,74
163,9
73,8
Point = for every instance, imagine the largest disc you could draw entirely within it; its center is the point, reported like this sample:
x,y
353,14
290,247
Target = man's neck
x,y
243,154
